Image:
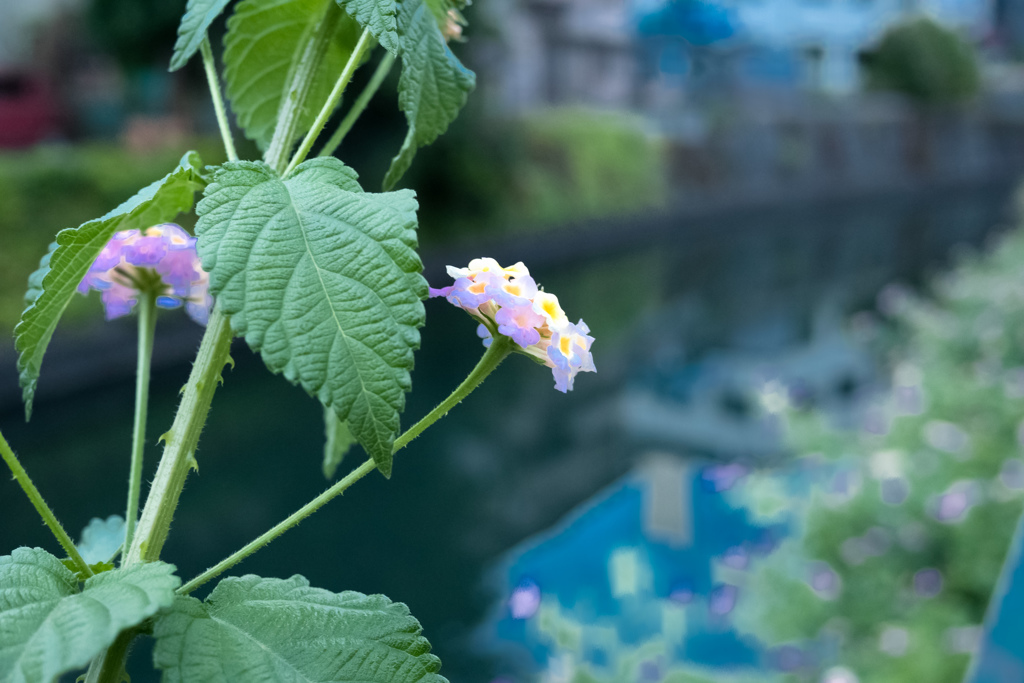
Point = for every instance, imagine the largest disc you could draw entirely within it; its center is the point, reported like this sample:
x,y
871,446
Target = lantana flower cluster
x,y
507,301
162,259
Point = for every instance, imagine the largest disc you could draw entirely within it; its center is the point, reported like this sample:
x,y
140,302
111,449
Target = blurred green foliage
x,y
581,164
51,188
551,167
945,439
926,61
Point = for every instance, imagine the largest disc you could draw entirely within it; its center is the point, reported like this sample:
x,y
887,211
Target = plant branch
x,y
500,348
21,476
294,101
183,437
364,43
147,330
181,441
218,100
497,352
359,105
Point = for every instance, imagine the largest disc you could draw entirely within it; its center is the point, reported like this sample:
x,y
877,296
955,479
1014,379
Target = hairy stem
x,y
147,330
183,437
218,99
181,441
499,349
359,105
497,352
21,476
364,43
293,103
293,519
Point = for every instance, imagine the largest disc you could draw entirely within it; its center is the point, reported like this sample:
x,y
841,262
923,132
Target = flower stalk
x,y
181,442
365,41
218,99
492,358
147,331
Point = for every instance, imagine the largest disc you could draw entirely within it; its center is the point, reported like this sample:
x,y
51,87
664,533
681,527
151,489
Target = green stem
x,y
21,476
218,100
147,330
364,43
181,441
497,352
109,664
183,437
359,105
303,76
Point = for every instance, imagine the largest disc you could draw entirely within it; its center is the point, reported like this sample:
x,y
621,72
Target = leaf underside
x,y
379,17
263,45
53,284
433,87
324,281
256,630
199,16
49,627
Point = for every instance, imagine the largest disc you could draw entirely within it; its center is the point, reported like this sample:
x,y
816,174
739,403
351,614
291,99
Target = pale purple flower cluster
x,y
507,301
162,259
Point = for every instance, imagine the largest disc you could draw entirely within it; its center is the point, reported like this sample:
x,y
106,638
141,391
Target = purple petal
x,y
118,301
145,251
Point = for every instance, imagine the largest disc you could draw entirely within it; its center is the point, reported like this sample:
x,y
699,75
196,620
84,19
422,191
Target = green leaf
x,y
49,627
101,538
264,43
338,442
379,16
439,9
199,15
35,280
324,281
433,86
252,630
55,282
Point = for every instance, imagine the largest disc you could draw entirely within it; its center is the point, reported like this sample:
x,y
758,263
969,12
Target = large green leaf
x,y
48,626
264,43
379,16
324,281
337,442
433,86
53,284
199,15
255,630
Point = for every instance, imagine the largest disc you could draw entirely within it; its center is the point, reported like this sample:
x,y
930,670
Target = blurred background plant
x,y
924,60
903,534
